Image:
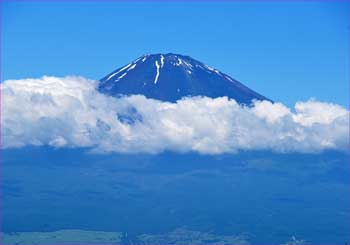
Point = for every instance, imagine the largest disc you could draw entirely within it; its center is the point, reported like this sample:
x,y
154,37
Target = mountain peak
x,y
169,77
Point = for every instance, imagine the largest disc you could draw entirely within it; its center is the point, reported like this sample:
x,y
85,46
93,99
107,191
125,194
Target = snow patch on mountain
x,y
161,61
157,72
123,75
122,69
131,67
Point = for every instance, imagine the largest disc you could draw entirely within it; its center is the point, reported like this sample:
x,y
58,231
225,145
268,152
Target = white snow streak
x,y
122,69
210,68
161,61
135,61
188,65
157,75
132,67
229,78
121,77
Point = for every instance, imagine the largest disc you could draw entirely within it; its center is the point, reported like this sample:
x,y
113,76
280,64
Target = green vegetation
x,y
178,236
185,236
61,237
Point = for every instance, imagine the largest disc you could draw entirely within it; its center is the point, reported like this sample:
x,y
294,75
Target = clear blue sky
x,y
287,51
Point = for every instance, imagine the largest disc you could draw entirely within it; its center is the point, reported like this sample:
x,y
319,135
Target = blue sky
x,y
287,51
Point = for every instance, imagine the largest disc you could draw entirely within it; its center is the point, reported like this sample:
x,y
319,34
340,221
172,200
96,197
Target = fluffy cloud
x,y
69,112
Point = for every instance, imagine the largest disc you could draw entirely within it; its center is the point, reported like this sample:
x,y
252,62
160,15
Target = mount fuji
x,y
169,77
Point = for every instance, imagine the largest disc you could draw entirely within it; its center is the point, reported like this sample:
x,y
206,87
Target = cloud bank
x,y
70,112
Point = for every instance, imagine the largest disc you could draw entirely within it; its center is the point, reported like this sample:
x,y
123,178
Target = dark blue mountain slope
x,y
169,77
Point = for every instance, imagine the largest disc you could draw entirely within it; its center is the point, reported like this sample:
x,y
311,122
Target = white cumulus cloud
x,y
70,112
